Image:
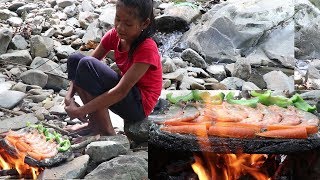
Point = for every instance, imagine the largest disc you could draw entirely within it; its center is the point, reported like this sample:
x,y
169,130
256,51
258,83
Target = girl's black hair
x,y
145,10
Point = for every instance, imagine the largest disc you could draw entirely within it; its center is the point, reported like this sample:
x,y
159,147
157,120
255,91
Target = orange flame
x,y
229,166
7,162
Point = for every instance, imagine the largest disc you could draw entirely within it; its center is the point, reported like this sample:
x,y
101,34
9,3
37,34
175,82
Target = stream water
x,y
167,42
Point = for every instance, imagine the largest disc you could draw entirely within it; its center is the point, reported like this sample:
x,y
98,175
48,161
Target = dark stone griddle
x,y
48,162
189,143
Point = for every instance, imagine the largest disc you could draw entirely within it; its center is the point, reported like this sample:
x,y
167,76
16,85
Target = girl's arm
x,y
114,95
70,94
99,52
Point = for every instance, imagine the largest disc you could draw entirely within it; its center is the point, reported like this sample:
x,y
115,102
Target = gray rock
x,y
179,62
107,17
6,14
101,151
70,11
166,83
4,86
185,12
280,45
312,73
46,65
215,86
217,71
26,8
19,57
5,38
67,31
233,83
58,109
65,3
238,28
191,83
17,122
9,99
141,154
15,21
37,98
19,42
249,86
41,46
200,72
313,83
85,19
193,57
50,32
64,51
168,66
315,94
137,131
307,31
121,168
277,80
242,69
177,75
15,5
57,82
34,91
257,80
71,170
34,77
93,33
20,87
315,63
72,22
87,6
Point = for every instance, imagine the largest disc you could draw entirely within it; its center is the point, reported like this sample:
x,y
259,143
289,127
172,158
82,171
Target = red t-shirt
x,y
150,84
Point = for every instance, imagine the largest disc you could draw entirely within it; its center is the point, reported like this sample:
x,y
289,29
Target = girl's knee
x,y
74,58
85,62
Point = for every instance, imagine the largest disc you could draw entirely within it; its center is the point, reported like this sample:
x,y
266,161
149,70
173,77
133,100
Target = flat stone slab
x,y
121,168
9,99
70,170
17,122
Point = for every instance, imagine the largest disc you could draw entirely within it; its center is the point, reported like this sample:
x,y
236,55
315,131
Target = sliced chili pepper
x,y
182,98
247,102
64,145
267,99
299,103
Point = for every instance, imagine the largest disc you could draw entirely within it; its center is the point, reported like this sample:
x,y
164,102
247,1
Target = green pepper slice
x,y
299,103
267,99
64,145
247,102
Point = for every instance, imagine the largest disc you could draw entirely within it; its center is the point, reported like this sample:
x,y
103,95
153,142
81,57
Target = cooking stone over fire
x,y
260,124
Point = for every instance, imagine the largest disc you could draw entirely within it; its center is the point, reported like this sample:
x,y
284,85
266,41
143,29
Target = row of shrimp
x,y
240,121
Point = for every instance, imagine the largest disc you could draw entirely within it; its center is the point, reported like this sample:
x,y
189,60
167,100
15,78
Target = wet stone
x,y
123,167
70,170
9,99
17,122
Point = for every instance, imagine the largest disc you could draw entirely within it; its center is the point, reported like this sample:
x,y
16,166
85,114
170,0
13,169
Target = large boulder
x,y
241,28
307,35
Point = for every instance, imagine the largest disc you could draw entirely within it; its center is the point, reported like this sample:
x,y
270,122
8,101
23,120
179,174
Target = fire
x,y
7,163
229,166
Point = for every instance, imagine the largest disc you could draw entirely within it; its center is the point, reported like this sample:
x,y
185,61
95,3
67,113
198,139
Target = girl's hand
x,y
74,111
67,101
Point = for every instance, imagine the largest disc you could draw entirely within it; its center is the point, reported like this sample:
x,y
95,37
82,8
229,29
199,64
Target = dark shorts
x,y
95,77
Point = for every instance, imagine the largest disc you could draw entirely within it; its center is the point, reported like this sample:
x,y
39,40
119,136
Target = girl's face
x,y
128,24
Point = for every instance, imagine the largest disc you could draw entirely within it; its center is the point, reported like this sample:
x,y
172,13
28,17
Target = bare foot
x,y
107,133
80,129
